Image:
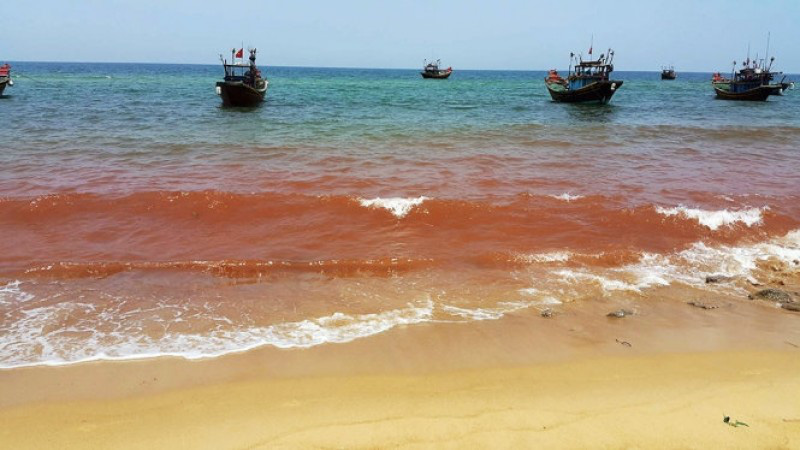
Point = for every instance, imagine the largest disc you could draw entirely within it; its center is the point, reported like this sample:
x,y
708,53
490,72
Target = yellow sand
x,y
655,401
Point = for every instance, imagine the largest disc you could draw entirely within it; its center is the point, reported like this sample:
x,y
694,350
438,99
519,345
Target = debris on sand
x,y
718,279
625,343
791,306
620,313
732,423
771,294
703,305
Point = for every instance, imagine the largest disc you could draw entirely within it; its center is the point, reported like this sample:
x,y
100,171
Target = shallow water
x,y
141,218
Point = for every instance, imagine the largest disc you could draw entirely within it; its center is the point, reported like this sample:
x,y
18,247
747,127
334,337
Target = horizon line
x,y
326,67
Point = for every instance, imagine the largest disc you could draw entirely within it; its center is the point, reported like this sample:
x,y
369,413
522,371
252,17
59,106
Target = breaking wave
x,y
716,219
398,206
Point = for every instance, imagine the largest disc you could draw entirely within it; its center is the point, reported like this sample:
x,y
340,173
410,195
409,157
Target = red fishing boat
x,y
5,77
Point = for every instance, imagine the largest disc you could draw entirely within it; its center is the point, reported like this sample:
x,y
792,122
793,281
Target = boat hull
x,y
667,76
436,76
239,94
758,94
3,84
597,92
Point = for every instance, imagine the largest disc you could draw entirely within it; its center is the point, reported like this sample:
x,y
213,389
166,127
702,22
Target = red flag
x,y
240,53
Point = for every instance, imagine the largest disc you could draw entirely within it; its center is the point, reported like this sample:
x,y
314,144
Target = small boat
x,y
432,70
754,82
243,84
668,73
588,83
5,78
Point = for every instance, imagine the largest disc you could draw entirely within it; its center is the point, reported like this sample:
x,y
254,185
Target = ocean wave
x,y
398,206
690,266
543,257
26,343
33,330
494,313
716,219
12,294
567,197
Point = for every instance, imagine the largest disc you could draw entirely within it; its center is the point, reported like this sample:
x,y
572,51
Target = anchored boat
x,y
754,82
243,84
589,82
5,77
432,70
668,73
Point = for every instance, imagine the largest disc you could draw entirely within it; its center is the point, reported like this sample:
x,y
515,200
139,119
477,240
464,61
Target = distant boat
x,y
432,70
243,84
668,73
754,82
588,83
5,77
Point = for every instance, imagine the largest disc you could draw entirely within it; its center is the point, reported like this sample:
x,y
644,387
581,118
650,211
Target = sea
x,y
141,219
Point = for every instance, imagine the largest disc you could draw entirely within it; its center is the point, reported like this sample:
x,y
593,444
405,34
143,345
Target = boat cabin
x,y
587,72
244,73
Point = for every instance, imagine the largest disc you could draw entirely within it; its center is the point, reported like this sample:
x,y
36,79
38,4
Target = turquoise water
x,y
70,105
74,126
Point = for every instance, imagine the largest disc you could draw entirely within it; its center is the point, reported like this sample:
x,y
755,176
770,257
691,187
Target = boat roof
x,y
597,63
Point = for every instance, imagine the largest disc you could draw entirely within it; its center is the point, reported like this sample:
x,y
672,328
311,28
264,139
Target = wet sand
x,y
567,381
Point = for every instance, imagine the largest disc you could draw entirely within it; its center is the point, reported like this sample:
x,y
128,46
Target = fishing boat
x,y
432,70
753,82
243,84
5,77
668,73
589,82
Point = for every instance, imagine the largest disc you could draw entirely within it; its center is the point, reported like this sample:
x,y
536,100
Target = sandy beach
x,y
663,378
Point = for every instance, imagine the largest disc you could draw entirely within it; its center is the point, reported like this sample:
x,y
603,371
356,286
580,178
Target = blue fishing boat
x,y
753,82
589,82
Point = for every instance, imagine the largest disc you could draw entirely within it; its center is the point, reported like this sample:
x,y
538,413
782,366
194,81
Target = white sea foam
x,y
497,312
716,219
398,206
528,291
26,342
691,266
11,293
567,197
607,284
543,257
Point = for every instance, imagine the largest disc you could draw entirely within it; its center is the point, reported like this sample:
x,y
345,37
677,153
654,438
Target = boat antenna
x,y
766,56
748,54
571,57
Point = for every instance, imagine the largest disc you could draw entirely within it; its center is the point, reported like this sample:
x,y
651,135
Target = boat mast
x,y
766,57
571,57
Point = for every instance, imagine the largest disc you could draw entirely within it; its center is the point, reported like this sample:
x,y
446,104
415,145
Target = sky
x,y
694,35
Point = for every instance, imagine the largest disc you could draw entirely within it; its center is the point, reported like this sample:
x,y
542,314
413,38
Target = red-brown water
x,y
201,251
